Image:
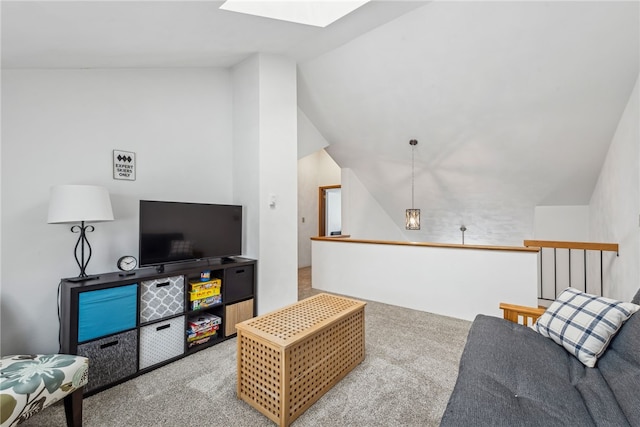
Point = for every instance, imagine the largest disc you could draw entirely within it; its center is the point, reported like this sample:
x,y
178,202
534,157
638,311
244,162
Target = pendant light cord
x,y
413,151
413,214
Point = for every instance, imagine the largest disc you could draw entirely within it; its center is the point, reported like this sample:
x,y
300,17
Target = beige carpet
x,y
406,378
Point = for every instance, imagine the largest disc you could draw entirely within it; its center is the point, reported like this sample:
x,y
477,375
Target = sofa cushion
x,y
620,367
509,375
583,323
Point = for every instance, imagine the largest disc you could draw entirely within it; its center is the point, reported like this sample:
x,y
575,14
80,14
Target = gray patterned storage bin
x,y
110,359
161,341
160,298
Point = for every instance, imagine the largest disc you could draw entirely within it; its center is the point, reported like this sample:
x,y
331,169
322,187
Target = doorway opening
x,y
330,210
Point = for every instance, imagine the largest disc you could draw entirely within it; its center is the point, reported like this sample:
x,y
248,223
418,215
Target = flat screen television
x,y
174,231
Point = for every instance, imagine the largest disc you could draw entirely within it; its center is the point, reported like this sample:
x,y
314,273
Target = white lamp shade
x,y
75,203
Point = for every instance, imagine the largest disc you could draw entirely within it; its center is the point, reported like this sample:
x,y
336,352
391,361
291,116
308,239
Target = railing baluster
x,y
555,274
541,290
585,270
601,276
569,267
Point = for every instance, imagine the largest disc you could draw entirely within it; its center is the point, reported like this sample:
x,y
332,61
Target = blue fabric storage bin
x,y
107,311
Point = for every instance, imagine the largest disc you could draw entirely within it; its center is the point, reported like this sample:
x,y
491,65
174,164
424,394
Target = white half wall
x,y
615,204
453,282
60,127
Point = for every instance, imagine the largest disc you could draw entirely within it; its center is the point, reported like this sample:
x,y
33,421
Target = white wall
x,y
362,215
246,155
565,223
265,105
315,170
449,281
310,140
615,204
60,127
278,172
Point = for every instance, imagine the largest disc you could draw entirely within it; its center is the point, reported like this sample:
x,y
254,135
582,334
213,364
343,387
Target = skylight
x,y
319,13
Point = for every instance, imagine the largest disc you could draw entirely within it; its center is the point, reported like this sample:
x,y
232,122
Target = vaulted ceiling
x,y
514,104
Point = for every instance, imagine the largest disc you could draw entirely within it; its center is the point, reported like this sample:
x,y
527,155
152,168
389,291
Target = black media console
x,y
130,324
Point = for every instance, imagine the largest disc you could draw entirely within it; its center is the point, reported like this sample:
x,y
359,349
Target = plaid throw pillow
x,y
583,324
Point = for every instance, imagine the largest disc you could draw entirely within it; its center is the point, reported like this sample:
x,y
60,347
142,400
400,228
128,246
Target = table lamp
x,y
80,203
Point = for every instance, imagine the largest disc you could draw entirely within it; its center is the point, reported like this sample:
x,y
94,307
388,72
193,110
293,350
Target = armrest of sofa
x,y
521,314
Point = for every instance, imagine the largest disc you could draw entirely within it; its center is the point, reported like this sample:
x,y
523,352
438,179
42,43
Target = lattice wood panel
x,y
319,362
289,358
259,376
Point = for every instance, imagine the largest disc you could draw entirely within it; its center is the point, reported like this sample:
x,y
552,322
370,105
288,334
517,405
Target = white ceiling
x,y
129,34
514,104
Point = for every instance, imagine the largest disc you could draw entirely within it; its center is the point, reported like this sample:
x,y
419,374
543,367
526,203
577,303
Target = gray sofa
x,y
512,376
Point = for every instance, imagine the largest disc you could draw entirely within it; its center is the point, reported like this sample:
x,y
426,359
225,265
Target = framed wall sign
x,y
124,165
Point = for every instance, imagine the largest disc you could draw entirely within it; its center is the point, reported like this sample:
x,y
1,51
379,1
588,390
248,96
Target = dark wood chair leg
x,y
73,408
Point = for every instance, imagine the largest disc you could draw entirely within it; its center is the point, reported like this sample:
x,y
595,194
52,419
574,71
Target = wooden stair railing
x,y
613,247
570,246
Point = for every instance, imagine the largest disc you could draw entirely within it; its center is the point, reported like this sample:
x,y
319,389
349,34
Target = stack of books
x,y
202,328
205,294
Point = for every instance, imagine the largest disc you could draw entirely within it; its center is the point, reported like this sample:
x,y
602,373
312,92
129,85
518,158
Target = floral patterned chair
x,y
30,383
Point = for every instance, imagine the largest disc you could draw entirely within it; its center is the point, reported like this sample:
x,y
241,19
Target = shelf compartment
x,y
204,294
111,358
161,341
236,313
107,311
202,328
238,283
160,298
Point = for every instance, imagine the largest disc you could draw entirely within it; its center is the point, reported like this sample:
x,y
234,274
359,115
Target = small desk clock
x,y
127,263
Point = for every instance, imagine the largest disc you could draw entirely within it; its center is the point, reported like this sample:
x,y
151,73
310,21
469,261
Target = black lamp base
x,y
80,244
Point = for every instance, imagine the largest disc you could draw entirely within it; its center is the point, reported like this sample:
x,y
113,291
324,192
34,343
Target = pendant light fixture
x,y
412,216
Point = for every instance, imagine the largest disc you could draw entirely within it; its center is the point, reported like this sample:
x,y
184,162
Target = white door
x,y
333,213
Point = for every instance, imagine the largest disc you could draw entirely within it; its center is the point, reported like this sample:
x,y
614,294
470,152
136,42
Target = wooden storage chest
x,y
289,358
